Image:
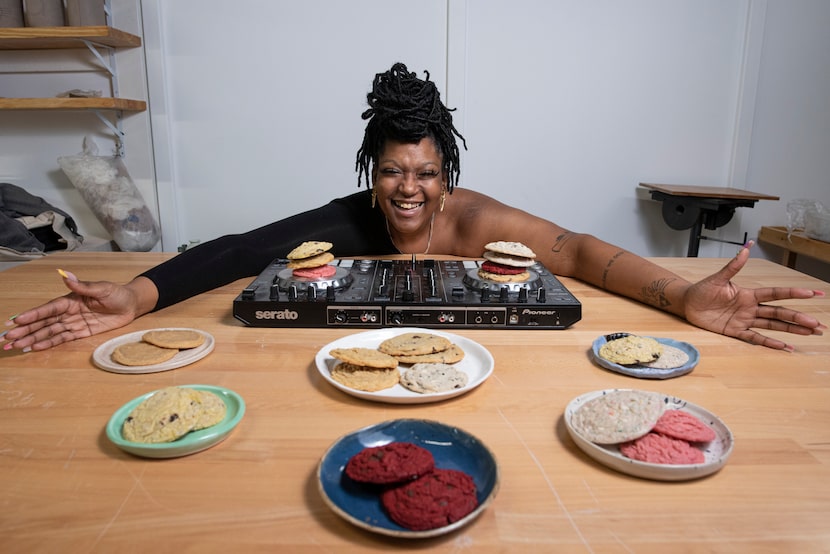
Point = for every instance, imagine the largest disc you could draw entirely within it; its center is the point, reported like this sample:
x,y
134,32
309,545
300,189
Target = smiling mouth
x,y
407,205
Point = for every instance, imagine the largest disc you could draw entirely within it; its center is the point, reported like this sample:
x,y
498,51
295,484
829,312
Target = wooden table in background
x,y
65,488
795,243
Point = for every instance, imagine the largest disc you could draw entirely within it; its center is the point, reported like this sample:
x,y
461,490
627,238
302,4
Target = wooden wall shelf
x,y
122,104
39,38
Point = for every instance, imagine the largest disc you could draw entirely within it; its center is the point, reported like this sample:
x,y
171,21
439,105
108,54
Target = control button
x,y
485,294
540,295
503,294
311,293
330,294
248,294
523,294
274,293
292,292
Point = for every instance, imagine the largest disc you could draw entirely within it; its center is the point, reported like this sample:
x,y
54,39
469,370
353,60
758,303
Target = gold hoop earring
x,y
374,197
443,197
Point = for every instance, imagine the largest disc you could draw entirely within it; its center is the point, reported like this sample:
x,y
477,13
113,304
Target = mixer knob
x,y
408,295
458,292
540,295
523,294
311,293
274,293
292,292
330,294
249,293
485,294
503,294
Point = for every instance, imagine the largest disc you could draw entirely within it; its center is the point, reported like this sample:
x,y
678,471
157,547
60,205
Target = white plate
x,y
477,364
103,354
715,453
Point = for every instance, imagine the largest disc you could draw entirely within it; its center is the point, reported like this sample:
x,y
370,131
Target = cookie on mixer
x,y
502,278
414,344
510,248
313,261
308,249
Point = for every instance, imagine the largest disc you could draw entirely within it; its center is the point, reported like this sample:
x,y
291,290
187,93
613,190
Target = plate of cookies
x,y
176,421
153,350
434,478
649,434
644,357
404,365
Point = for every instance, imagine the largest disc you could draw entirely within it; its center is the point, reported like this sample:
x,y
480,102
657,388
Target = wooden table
x,y
795,243
65,488
696,207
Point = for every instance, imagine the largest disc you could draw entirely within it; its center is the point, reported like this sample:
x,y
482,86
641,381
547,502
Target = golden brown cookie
x,y
308,249
499,278
212,409
165,416
510,248
451,355
631,349
141,353
314,261
174,338
366,357
368,379
414,344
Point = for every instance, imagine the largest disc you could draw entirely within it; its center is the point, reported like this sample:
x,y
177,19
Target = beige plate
x,y
103,354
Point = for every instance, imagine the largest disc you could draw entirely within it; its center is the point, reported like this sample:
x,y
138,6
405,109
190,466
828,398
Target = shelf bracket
x,y
116,128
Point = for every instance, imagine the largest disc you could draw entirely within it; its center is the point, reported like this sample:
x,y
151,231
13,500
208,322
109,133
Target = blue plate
x,y
645,372
451,447
193,442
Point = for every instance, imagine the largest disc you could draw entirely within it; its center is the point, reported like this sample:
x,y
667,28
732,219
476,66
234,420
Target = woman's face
x,y
408,181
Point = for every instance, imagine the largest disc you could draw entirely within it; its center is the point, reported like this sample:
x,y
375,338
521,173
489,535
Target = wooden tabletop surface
x,y
64,487
708,192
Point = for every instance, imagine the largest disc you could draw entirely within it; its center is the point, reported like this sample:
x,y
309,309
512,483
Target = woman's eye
x,y
428,175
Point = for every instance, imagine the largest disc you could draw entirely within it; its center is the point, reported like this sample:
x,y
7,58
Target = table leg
x,y
694,238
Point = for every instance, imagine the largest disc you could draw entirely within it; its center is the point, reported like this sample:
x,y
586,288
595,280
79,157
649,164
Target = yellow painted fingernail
x,y
63,273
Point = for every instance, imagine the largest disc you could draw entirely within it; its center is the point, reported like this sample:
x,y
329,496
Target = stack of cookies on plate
x,y
432,357
311,259
634,350
157,346
506,262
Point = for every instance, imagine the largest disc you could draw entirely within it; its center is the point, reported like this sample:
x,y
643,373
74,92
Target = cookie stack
x,y
415,494
156,347
372,370
506,262
310,260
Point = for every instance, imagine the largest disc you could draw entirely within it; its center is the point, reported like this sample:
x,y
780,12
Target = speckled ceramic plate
x,y
477,363
451,447
193,442
715,452
103,354
645,372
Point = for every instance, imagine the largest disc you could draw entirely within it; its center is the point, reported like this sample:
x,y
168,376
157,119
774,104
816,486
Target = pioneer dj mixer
x,y
408,293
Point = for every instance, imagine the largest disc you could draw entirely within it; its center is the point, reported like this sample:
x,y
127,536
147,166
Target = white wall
x,y
255,106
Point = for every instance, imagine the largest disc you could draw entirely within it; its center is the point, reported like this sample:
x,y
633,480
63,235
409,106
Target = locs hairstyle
x,y
404,108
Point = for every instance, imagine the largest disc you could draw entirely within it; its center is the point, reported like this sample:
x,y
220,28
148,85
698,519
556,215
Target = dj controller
x,y
407,293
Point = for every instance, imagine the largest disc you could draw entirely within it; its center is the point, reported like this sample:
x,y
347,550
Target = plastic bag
x,y
817,222
108,189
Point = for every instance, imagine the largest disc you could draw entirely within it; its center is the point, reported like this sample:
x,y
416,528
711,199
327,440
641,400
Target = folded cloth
x,y
30,226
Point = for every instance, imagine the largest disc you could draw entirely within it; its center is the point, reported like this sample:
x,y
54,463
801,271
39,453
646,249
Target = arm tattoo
x,y
610,263
655,293
560,241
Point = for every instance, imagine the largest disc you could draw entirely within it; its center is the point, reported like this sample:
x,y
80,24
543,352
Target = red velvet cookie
x,y
319,272
391,463
683,425
434,500
501,269
660,449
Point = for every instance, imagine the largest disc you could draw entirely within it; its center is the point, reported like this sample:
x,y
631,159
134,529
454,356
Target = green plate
x,y
193,442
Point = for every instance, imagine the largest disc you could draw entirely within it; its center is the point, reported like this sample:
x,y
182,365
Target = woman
x,y
410,160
